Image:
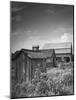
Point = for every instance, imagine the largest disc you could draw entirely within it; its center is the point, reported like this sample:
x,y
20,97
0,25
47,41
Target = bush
x,y
42,88
55,82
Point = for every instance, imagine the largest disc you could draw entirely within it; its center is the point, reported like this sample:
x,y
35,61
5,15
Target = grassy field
x,y
57,81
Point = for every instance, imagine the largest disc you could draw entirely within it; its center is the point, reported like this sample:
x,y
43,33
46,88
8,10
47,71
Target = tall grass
x,y
57,81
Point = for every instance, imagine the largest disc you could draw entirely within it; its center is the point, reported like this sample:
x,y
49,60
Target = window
x,y
67,59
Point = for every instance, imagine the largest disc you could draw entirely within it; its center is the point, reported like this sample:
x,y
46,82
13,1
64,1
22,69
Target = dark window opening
x,y
67,59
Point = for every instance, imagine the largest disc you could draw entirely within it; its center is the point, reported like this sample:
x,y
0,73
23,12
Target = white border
x,y
5,48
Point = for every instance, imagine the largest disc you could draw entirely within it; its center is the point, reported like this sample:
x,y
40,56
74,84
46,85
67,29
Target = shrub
x,y
42,88
55,82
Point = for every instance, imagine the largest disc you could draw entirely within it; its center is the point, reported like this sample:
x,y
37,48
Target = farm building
x,y
26,62
63,51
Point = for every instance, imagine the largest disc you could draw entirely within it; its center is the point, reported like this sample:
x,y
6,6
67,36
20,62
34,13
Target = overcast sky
x,y
38,24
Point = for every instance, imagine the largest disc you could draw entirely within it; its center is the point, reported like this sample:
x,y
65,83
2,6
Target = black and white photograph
x,y
41,49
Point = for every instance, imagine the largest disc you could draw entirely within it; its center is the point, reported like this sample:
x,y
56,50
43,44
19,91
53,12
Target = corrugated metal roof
x,y
62,51
60,48
57,45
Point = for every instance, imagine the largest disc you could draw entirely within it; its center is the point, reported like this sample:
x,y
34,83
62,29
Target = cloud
x,y
37,40
21,32
34,37
34,40
66,37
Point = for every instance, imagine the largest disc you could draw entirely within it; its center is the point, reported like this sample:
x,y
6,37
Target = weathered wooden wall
x,y
24,67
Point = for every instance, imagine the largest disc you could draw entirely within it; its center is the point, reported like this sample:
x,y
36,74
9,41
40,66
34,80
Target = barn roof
x,y
41,54
57,45
60,48
63,51
34,54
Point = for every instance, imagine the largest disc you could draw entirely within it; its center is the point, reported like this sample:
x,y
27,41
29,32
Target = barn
x,y
63,51
25,62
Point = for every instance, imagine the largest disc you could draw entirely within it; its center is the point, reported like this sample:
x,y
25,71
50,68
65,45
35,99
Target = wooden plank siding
x,y
25,66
